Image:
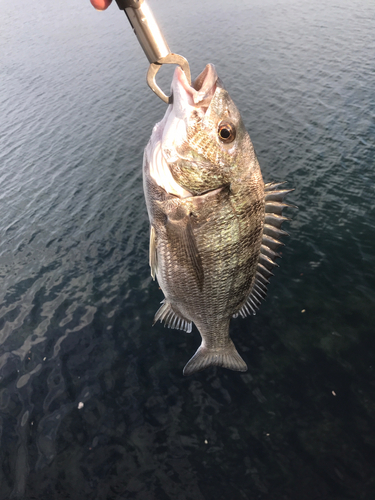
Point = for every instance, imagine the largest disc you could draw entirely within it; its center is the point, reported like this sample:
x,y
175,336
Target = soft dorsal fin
x,y
273,199
171,319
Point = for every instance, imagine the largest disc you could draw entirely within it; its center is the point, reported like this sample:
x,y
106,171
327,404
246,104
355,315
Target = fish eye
x,y
226,131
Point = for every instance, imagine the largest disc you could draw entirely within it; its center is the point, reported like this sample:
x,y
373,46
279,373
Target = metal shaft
x,y
152,42
145,28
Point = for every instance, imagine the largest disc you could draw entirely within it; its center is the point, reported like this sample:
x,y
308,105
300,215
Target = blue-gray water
x,y
93,404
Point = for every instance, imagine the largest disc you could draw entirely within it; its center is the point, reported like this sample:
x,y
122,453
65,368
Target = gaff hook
x,y
152,42
154,68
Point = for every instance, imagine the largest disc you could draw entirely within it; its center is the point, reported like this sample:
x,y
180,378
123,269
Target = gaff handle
x,y
145,28
152,42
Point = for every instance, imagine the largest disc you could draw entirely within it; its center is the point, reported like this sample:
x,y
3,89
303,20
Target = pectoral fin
x,y
181,233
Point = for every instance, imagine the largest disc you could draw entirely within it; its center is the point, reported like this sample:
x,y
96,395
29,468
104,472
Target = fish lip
x,y
200,93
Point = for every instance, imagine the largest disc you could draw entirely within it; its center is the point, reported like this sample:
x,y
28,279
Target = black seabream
x,y
214,223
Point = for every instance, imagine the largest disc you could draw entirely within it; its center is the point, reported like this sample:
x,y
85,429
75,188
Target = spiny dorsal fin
x,y
272,243
264,271
278,195
272,186
274,219
273,199
171,318
273,231
269,252
267,261
273,194
276,207
250,307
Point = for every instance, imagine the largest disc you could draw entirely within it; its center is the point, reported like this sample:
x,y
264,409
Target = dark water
x,y
93,404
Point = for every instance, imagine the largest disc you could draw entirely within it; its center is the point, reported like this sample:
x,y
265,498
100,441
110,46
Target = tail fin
x,y
227,357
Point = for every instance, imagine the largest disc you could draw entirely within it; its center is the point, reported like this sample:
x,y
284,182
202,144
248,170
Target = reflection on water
x,y
92,399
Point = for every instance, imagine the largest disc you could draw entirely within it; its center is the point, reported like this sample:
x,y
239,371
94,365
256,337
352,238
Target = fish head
x,y
204,141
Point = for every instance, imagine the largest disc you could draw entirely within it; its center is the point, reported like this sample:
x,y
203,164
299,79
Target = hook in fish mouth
x,y
193,100
200,93
202,89
171,58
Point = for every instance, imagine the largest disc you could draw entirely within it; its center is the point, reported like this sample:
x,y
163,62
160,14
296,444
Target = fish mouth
x,y
197,95
189,105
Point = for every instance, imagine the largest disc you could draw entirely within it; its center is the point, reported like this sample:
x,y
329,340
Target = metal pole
x,y
152,42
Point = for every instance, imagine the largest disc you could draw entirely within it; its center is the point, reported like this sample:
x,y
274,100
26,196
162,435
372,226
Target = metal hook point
x,y
171,58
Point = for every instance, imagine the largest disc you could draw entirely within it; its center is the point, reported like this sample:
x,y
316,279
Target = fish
x,y
214,223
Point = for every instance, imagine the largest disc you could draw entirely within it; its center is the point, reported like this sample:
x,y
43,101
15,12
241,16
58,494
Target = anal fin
x,y
171,319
